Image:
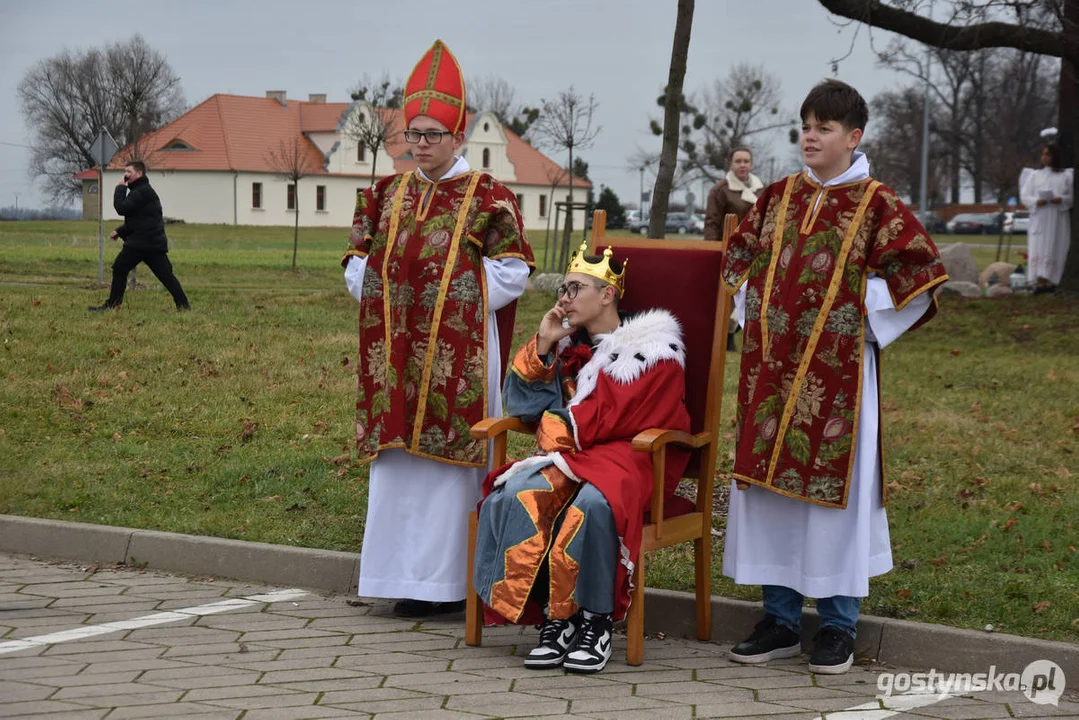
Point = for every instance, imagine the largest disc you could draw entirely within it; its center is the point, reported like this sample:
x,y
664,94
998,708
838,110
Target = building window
x,y
521,201
320,197
486,127
256,195
292,196
543,206
361,153
486,158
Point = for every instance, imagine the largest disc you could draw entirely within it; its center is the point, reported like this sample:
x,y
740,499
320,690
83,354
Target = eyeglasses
x,y
571,289
433,137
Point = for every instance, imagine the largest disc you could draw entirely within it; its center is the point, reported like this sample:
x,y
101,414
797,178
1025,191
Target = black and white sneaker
x,y
833,653
556,639
769,641
593,647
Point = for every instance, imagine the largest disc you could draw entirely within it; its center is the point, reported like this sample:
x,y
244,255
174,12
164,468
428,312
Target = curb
x,y
895,642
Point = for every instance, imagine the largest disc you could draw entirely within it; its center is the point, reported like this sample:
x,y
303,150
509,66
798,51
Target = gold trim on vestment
x,y
814,338
416,453
777,247
436,320
391,236
543,506
564,570
353,253
817,203
486,349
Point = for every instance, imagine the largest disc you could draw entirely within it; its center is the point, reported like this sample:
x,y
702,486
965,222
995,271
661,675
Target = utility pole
x,y
16,204
923,177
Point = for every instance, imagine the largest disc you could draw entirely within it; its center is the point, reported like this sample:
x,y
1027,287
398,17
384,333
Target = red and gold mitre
x,y
436,88
601,270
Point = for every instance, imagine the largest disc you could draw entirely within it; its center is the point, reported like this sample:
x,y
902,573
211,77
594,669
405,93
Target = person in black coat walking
x,y
143,233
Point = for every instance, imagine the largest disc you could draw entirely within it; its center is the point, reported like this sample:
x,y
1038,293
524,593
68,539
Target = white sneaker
x,y
555,640
593,647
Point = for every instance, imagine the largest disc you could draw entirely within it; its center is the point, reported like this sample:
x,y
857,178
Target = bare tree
x,y
1016,117
896,143
731,113
141,81
566,122
674,104
1049,28
375,115
555,175
494,94
127,88
294,160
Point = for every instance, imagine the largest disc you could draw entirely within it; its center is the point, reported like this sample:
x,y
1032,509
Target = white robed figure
x,y
1047,193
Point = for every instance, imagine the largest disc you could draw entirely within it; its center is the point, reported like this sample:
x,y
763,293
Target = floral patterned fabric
x,y
806,253
423,313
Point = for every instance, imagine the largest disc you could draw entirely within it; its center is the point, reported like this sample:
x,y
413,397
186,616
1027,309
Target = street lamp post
x,y
641,196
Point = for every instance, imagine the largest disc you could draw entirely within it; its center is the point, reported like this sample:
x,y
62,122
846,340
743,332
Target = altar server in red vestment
x,y
433,254
830,267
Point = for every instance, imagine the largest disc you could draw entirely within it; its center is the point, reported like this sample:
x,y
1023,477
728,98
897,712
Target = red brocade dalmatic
x,y
423,313
806,252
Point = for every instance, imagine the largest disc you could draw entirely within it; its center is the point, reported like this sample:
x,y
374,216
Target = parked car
x,y
975,224
635,222
931,222
682,223
1017,221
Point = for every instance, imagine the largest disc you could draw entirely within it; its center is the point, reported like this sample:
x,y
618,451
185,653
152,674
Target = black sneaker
x,y
555,640
833,652
769,641
593,647
102,308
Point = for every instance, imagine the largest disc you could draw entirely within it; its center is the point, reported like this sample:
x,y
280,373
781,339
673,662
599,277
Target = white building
x,y
214,164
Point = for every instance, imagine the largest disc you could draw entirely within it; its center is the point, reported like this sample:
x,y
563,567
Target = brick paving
x,y
316,656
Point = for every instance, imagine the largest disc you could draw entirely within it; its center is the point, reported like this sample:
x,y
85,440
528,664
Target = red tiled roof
x,y
237,133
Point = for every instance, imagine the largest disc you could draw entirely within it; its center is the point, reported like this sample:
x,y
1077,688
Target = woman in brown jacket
x,y
736,193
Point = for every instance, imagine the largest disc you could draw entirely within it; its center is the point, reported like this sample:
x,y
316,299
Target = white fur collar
x,y
633,348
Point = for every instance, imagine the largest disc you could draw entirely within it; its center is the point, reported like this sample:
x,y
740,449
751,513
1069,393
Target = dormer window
x,y
177,144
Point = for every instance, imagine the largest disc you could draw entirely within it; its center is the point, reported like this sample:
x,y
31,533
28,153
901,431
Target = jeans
x,y
785,604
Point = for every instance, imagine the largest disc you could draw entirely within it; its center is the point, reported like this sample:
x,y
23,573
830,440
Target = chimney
x,y
278,95
319,98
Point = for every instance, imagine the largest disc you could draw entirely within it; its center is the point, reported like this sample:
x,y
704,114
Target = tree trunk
x,y
1068,124
1069,131
668,158
564,255
296,230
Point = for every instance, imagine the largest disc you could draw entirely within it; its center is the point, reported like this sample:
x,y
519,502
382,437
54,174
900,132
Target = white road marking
x,y
893,705
161,618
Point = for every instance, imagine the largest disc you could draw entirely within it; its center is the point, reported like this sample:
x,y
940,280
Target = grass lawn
x,y
235,419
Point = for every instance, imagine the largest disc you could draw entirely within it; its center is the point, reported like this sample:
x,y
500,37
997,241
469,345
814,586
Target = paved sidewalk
x,y
76,642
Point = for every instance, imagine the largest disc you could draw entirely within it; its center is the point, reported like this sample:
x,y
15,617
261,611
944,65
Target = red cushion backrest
x,y
682,277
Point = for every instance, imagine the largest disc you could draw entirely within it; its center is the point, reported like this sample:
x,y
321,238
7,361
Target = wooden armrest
x,y
492,427
654,438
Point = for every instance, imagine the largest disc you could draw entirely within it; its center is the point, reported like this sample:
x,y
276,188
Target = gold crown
x,y
601,269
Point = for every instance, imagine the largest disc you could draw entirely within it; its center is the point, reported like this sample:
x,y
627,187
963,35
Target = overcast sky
x,y
618,50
